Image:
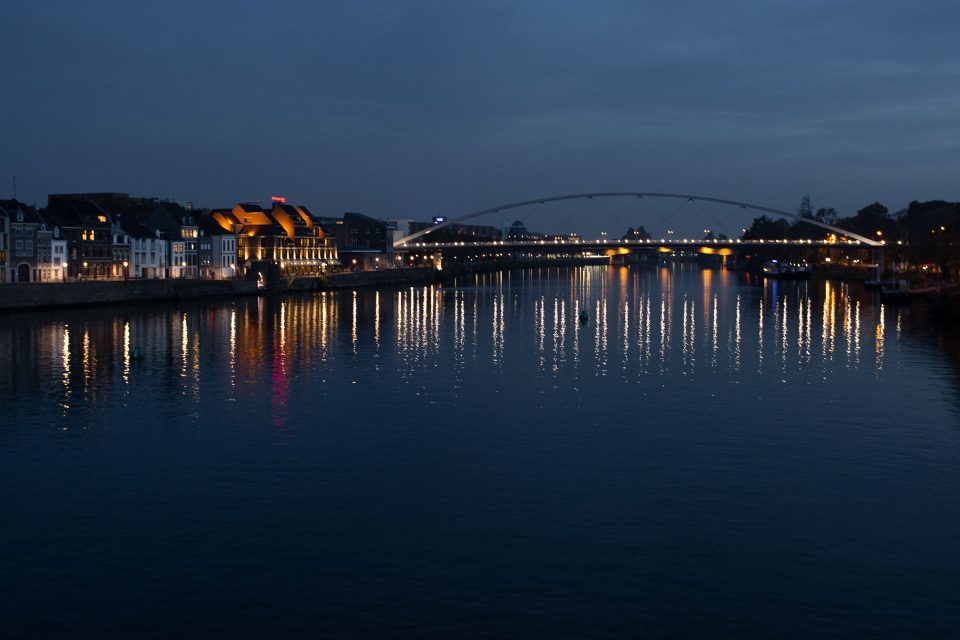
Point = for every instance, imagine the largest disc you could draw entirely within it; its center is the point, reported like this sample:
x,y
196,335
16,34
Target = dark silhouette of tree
x,y
873,221
640,233
829,215
764,228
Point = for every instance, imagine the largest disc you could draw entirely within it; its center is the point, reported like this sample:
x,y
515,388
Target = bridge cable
x,y
677,210
712,217
566,219
604,209
732,213
628,205
647,202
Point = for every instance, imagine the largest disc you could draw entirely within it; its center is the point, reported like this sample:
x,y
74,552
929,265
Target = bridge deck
x,y
652,243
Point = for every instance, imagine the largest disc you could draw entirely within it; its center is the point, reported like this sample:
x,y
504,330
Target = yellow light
x,y
827,259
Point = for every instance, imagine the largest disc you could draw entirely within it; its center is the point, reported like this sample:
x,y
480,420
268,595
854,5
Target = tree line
x,y
924,233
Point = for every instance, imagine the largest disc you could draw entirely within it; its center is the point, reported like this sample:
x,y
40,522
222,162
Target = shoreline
x,y
61,295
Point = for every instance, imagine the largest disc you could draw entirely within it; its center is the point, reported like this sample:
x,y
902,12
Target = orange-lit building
x,y
285,237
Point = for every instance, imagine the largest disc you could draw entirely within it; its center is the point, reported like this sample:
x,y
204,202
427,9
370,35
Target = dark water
x,y
704,457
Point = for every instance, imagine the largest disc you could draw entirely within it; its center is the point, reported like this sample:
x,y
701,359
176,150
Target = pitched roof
x,y
209,224
136,229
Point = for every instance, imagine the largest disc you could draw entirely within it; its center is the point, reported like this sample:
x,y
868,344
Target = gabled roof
x,y
59,217
170,217
363,217
251,214
210,223
13,207
137,229
76,213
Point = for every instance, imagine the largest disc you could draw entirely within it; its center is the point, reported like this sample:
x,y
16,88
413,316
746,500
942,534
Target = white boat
x,y
777,269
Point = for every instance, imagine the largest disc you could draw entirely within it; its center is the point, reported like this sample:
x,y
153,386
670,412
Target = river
x,y
703,456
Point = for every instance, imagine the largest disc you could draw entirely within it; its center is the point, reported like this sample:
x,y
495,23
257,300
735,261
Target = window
x,y
19,248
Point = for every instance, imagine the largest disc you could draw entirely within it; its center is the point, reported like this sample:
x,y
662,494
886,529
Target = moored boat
x,y
792,270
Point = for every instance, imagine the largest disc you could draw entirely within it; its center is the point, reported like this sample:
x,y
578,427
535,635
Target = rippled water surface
x,y
704,456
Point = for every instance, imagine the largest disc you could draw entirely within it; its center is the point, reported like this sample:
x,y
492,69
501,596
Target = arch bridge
x,y
409,240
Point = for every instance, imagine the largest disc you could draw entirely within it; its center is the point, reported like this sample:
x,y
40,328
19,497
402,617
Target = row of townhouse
x,y
32,248
112,236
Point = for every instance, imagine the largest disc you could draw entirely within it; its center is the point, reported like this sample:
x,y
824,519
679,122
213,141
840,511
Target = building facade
x,y
148,252
4,245
88,231
218,254
286,238
22,252
179,227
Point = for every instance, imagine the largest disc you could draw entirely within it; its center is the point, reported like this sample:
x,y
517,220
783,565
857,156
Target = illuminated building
x,y
89,237
148,252
218,246
179,226
283,240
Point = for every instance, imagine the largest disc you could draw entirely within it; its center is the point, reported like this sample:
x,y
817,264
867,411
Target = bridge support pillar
x,y
878,258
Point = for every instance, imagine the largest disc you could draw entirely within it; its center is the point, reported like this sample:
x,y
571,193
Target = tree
x,y
827,215
805,210
764,228
873,221
640,233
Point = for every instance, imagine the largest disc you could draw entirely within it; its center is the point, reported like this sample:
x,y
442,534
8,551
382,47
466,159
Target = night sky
x,y
410,109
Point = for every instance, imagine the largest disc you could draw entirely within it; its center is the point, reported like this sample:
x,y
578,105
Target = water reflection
x,y
721,322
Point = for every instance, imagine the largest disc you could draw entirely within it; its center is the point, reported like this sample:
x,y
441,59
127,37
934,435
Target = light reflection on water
x,y
724,326
359,445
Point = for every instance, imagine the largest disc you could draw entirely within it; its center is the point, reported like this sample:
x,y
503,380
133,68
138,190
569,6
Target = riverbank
x,y
364,279
424,275
14,297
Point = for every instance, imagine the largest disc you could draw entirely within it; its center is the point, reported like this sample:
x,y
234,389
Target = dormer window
x,y
19,216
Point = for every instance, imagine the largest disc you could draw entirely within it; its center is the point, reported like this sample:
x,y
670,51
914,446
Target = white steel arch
x,y
639,194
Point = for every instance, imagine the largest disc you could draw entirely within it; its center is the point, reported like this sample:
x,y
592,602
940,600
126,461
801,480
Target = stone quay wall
x,y
68,294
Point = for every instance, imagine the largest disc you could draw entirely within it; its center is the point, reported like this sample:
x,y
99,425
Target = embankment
x,y
69,294
361,279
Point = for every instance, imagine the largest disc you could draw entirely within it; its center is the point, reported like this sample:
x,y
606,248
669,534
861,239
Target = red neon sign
x,y
279,199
